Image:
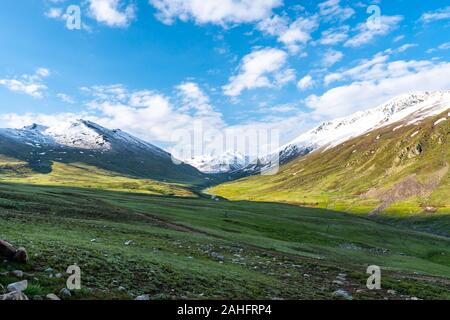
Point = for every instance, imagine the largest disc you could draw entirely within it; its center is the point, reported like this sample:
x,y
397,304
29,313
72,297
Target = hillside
x,y
129,244
401,168
95,146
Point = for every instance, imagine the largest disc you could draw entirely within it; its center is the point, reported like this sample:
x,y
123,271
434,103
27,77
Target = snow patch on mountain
x,y
225,162
414,107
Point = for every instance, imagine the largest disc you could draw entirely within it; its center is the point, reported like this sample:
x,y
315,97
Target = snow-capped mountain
x,y
405,109
87,142
226,162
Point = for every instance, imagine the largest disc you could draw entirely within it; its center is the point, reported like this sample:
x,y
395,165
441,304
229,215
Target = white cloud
x,y
193,98
383,81
367,32
66,98
331,57
440,14
31,85
54,13
263,68
220,12
334,36
332,10
306,83
293,35
402,48
113,13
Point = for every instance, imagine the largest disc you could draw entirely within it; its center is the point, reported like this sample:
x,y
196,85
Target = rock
x,y
122,289
58,276
6,249
338,282
17,273
49,270
18,286
14,296
392,292
21,255
144,297
342,294
217,256
53,297
37,298
65,293
129,242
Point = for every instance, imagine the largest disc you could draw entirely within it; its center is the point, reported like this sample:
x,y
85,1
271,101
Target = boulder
x,y
16,296
65,293
342,295
7,250
21,255
18,286
17,273
53,297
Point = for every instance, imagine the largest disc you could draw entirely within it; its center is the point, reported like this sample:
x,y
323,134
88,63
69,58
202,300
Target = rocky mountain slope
x,y
401,167
414,106
88,143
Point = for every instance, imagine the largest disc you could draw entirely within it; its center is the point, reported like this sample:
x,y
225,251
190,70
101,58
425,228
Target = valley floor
x,y
129,244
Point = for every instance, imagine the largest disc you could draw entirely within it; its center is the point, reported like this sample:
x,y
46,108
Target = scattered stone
x,y
306,275
21,255
6,249
94,240
338,282
65,293
14,296
18,286
53,297
37,298
17,273
392,292
122,289
58,276
342,294
414,298
129,242
144,297
217,256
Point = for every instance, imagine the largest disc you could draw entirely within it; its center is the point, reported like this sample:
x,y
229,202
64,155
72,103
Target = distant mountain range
x,y
86,142
117,151
417,105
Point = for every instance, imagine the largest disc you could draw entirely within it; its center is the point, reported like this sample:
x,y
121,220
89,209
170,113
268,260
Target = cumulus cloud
x,y
331,57
440,14
220,12
113,13
294,34
367,32
305,83
334,35
375,82
65,98
32,85
263,68
332,10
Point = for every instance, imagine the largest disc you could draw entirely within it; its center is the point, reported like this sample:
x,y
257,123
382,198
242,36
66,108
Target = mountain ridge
x,y
87,142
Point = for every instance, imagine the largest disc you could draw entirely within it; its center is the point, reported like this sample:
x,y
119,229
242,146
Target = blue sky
x,y
152,67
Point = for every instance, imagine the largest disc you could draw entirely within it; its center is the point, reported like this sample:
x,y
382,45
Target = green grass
x,y
85,176
269,250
